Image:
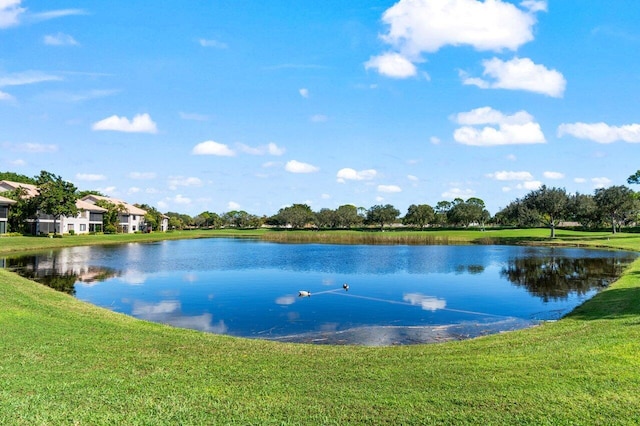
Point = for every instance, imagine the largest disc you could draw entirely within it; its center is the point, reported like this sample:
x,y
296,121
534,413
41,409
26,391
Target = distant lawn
x,y
68,362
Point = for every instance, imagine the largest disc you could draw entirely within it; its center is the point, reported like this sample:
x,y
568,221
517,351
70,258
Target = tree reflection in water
x,y
556,277
63,278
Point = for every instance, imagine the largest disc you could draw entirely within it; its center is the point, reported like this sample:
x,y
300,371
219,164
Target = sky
x,y
253,105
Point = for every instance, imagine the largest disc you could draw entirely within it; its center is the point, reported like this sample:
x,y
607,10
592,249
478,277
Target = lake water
x,y
395,295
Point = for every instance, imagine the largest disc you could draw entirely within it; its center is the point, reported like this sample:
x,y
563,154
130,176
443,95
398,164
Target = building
x,y
4,213
130,219
88,219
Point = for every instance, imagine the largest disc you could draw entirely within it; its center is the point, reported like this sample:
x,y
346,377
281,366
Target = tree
x,y
111,218
618,203
327,218
295,216
56,197
634,178
551,205
382,215
348,216
419,215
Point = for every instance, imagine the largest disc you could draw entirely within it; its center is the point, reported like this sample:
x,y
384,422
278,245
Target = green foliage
x,y
15,177
56,197
419,215
382,215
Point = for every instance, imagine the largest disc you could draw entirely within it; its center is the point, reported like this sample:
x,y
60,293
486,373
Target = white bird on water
x,y
303,293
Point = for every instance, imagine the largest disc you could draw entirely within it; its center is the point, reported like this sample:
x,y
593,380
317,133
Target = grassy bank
x,y
67,362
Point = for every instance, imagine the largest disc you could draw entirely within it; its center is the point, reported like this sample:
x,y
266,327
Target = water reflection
x,y
396,294
555,277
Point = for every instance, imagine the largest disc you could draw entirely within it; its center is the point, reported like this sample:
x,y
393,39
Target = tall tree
x,y
618,203
419,215
56,197
551,205
382,215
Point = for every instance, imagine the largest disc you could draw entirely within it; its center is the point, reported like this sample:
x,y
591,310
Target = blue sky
x,y
255,105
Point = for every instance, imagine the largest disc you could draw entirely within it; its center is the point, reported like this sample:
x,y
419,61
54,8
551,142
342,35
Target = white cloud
x,y
4,96
36,148
294,166
389,188
194,116
601,132
515,129
26,77
176,181
271,149
213,148
60,13
142,175
304,92
600,182
90,177
519,74
60,39
392,65
458,193
553,175
425,26
232,205
351,174
141,123
212,43
506,176
10,12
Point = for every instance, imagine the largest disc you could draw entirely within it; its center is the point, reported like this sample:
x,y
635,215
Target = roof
x,y
4,200
83,205
129,208
7,185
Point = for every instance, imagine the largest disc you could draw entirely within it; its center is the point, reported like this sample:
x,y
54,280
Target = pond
x,y
394,294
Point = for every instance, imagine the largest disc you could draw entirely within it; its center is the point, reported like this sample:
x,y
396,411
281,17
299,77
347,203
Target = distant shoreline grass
x,y
68,362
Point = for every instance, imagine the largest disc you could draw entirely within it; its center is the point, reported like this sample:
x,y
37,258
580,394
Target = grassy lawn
x,y
67,362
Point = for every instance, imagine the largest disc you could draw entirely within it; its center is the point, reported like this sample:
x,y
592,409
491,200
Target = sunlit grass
x,y
68,362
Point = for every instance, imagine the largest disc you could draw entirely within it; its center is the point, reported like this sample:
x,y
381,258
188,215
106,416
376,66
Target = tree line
x,y
612,207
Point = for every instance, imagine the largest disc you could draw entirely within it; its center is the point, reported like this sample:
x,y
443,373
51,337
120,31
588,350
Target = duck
x,y
345,286
304,293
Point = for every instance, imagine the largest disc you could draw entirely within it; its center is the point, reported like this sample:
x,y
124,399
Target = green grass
x,y
67,362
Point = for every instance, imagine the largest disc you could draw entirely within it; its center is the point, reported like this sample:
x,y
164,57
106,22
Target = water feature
x,y
395,295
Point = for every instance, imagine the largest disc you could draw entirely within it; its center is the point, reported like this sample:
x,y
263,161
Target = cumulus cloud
x,y
600,182
60,39
346,174
507,176
142,175
501,129
518,74
392,65
416,27
141,123
10,12
271,149
553,175
177,181
294,166
458,193
389,188
91,177
213,148
601,132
